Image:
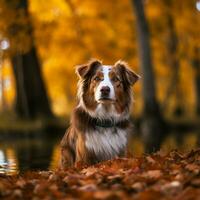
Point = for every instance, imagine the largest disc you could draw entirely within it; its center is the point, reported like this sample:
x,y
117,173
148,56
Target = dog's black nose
x,y
105,90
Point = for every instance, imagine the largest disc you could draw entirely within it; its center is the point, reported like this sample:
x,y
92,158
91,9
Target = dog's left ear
x,y
126,72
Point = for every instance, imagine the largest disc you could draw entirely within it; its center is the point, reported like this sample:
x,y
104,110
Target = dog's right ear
x,y
83,70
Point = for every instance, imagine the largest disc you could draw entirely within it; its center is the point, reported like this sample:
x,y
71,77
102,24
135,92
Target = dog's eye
x,y
115,79
97,78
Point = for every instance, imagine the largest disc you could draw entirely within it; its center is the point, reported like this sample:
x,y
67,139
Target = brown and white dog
x,y
100,122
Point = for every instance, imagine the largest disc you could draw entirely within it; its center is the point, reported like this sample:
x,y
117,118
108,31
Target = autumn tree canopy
x,y
69,32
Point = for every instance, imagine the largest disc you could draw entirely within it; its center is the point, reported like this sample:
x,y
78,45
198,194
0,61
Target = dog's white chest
x,y
106,142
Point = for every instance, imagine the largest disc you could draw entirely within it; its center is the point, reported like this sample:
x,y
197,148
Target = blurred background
x,y
41,43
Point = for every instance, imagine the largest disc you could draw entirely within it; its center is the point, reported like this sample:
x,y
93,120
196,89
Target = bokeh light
x,y
4,44
198,5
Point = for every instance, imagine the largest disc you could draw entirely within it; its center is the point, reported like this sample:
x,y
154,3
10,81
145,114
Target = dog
x,y
100,124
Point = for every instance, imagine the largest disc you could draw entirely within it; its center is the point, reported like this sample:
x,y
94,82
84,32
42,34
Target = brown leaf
x,y
45,174
196,182
172,187
193,168
90,187
53,177
116,176
152,174
17,193
109,194
102,194
150,160
4,188
89,171
138,186
72,179
21,183
189,193
149,195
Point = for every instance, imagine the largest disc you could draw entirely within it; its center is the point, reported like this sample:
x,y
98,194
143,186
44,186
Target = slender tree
x,y
152,123
196,66
172,45
31,99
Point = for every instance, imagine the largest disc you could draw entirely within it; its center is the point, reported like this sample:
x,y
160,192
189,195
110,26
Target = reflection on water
x,y
42,153
182,141
22,154
55,159
8,161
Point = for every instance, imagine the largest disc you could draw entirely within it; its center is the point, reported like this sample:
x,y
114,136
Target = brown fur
x,y
73,147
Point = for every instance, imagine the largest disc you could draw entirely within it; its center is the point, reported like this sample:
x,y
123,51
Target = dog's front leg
x,y
81,152
68,150
67,157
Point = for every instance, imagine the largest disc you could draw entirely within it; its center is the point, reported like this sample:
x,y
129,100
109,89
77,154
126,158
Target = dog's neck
x,y
87,119
109,123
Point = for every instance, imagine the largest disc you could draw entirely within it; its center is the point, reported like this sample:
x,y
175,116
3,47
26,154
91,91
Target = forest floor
x,y
158,176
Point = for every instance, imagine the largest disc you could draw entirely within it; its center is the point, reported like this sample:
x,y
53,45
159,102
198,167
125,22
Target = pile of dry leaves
x,y
157,176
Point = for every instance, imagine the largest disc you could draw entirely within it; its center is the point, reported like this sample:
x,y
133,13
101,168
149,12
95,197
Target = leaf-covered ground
x,y
158,176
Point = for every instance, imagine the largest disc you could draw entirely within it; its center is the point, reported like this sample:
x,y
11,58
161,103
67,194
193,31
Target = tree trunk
x,y
31,99
31,96
152,123
196,66
173,63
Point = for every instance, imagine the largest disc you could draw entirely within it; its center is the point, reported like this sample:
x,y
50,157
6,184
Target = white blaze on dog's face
x,y
105,89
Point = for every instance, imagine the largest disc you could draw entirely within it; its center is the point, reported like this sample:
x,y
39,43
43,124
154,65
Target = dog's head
x,y
106,85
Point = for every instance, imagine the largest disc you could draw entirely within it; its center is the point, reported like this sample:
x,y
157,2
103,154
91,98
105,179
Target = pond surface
x,y
29,153
43,153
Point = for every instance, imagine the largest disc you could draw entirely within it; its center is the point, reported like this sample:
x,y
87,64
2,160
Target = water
x,y
29,153
43,153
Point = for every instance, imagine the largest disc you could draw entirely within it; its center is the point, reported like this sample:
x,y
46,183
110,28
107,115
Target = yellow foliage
x,y
70,32
9,83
